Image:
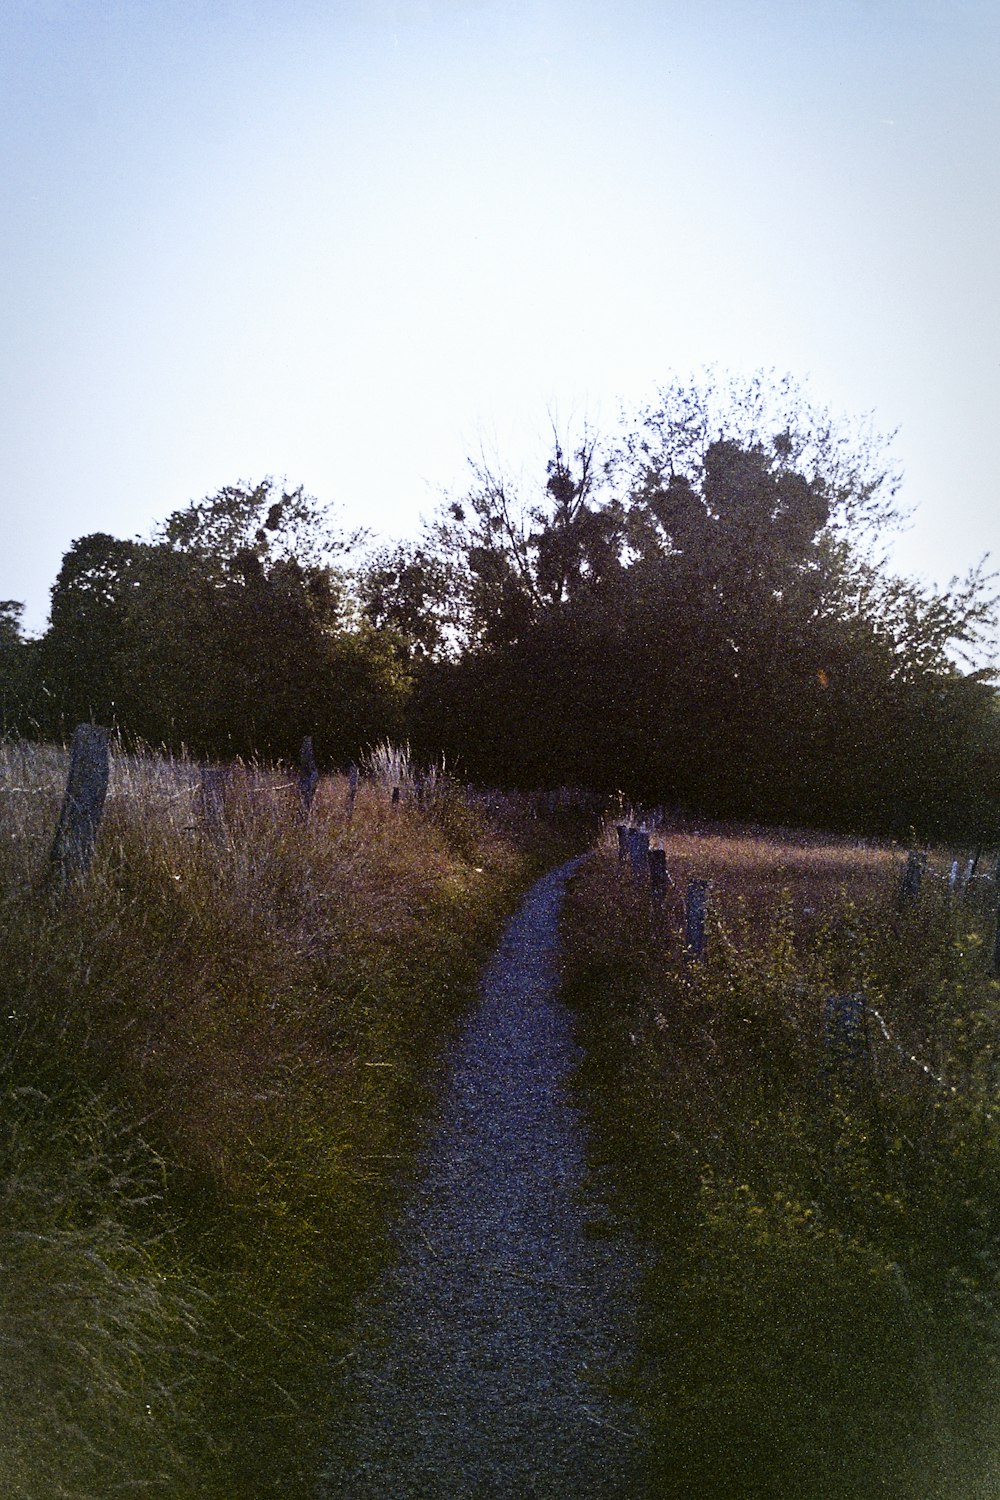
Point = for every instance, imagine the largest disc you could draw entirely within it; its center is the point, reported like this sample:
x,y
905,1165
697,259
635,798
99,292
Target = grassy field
x,y
215,1061
821,1197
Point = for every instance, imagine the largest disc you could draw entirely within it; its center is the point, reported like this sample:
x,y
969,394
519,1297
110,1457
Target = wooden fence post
x,y
82,806
658,873
622,833
845,1037
695,907
213,800
970,873
638,850
909,890
308,774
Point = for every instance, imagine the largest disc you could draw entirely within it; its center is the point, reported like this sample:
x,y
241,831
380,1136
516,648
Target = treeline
x,y
230,633
695,614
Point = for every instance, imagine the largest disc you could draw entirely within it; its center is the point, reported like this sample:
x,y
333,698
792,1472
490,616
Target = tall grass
x,y
216,1054
823,1304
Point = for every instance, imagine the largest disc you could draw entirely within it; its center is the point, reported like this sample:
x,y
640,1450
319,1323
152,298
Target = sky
x,y
351,243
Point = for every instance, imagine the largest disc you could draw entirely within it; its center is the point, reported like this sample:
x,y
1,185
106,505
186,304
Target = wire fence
x,y
850,1022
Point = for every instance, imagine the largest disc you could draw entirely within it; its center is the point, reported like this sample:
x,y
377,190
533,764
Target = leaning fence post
x,y
83,804
308,773
695,907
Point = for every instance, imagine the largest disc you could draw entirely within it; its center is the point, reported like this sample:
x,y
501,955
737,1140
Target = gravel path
x,y
479,1364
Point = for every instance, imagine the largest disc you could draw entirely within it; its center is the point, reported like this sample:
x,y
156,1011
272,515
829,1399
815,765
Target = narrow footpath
x,y
481,1365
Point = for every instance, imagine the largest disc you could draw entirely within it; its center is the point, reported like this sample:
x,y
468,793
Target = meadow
x,y
817,1178
218,1056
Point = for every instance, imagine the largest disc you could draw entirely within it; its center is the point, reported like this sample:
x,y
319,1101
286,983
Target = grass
x,y
216,1056
822,1309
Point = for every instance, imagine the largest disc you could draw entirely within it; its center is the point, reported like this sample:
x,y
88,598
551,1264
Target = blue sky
x,y
350,242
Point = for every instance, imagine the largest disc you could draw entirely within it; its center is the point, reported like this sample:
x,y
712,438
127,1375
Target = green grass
x,y
822,1312
216,1059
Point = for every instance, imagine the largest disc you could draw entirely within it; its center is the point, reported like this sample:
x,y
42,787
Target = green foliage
x,y
102,1323
846,464
15,655
256,520
512,559
409,592
700,617
227,634
823,1305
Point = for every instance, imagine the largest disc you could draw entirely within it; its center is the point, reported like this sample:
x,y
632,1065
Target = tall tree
x,y
14,668
513,557
712,624
227,633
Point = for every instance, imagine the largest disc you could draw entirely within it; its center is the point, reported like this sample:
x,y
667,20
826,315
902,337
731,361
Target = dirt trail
x,y
479,1364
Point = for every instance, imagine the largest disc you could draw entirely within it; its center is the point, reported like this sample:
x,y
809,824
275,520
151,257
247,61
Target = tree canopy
x,y
698,614
227,632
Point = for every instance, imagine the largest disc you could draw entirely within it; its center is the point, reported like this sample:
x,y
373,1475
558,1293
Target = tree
x,y
80,658
847,460
705,618
258,520
798,662
227,633
512,558
14,667
407,591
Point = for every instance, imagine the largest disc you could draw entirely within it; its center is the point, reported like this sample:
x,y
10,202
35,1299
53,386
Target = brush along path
x,y
480,1362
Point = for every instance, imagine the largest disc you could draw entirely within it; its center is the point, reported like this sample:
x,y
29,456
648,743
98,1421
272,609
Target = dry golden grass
x,y
821,1309
258,997
751,871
